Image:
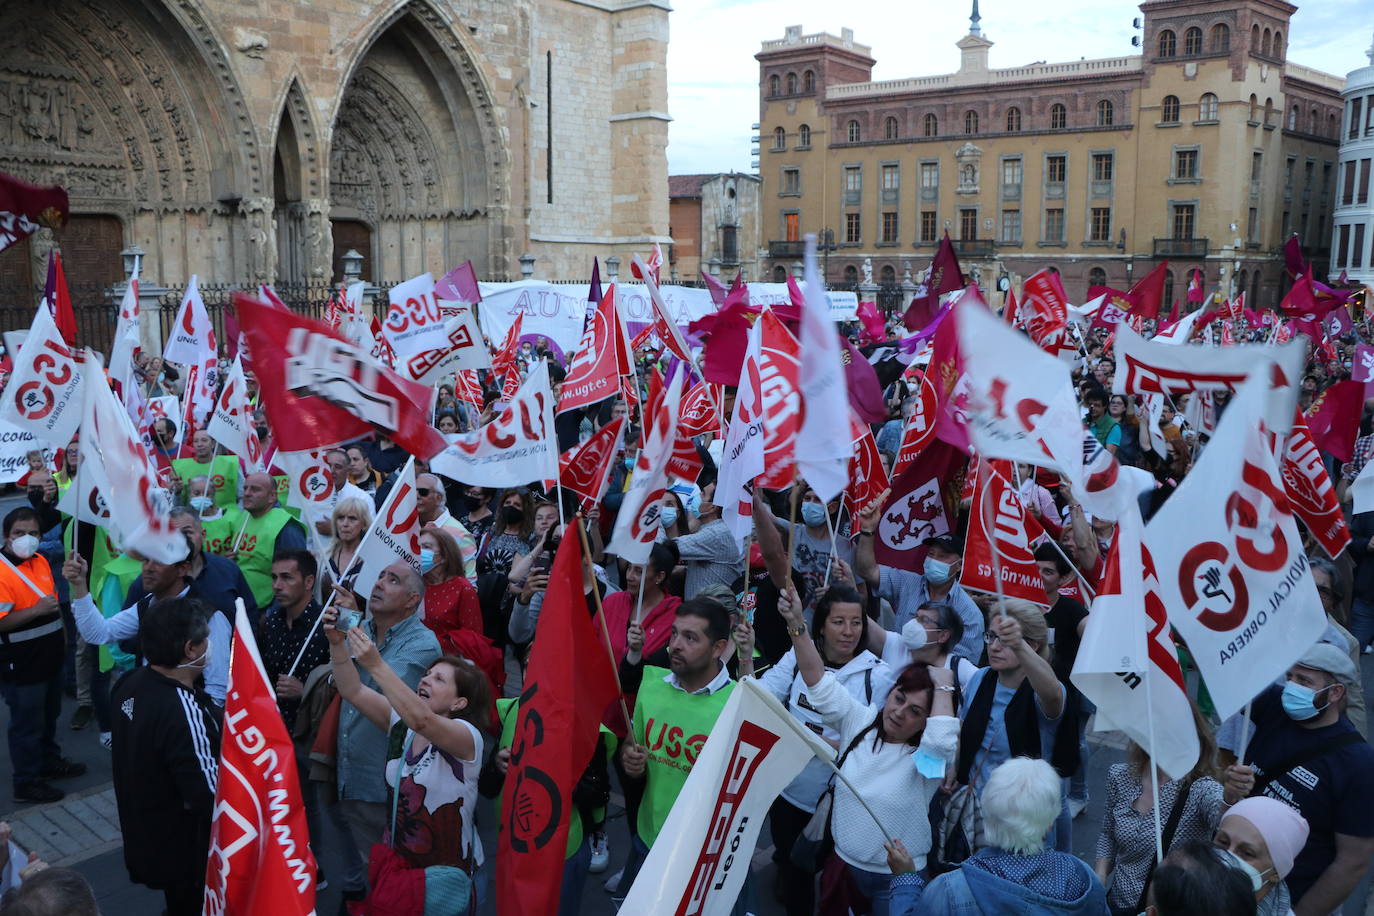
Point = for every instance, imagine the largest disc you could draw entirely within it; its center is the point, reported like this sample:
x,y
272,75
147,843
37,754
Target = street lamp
x,y
352,265
827,245
133,259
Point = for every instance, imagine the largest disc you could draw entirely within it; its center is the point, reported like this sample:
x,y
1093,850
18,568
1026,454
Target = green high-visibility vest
x,y
256,546
223,473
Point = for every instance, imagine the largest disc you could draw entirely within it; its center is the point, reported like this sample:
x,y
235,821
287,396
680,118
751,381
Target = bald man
x,y
259,530
429,497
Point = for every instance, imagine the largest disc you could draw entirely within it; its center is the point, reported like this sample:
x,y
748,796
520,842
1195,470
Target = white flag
x,y
464,348
515,448
701,857
192,345
1234,573
637,523
822,449
231,425
1362,490
413,323
84,500
310,485
394,535
43,395
126,336
742,457
1126,663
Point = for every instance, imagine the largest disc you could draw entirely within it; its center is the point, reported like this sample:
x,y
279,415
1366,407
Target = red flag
x,y
922,505
920,429
568,685
260,860
584,469
684,462
1011,309
320,390
646,338
1236,307
467,387
779,371
945,277
1195,294
1310,491
26,208
664,326
874,331
1113,308
1292,257
867,478
333,313
1148,292
1047,305
58,299
998,522
503,364
1334,418
593,373
946,374
699,415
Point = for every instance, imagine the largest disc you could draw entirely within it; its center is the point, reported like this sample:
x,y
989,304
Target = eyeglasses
x,y
991,638
423,491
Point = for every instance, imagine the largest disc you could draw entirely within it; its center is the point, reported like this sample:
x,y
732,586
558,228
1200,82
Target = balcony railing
x,y
1181,248
974,248
786,249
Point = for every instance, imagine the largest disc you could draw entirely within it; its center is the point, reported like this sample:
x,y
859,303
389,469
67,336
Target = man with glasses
x,y
1328,582
430,500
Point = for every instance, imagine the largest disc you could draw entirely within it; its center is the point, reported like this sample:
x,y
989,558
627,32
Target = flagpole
x,y
1154,761
831,526
189,392
605,631
985,471
792,526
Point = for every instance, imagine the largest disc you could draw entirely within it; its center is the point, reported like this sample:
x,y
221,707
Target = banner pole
x,y
605,631
1154,763
792,523
831,527
238,538
290,672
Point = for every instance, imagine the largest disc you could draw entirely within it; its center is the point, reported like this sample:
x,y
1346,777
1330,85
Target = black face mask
x,y
473,502
513,515
262,432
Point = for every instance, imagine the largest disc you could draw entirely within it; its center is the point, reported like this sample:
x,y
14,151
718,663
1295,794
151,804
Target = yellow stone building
x,y
1208,149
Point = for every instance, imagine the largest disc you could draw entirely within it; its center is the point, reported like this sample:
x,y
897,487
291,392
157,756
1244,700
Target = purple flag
x,y
716,288
1338,322
594,291
1363,368
459,284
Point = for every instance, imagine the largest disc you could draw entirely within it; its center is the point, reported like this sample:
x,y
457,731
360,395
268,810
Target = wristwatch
x,y
797,631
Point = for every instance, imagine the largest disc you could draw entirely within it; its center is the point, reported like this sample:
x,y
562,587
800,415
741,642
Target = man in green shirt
x,y
261,529
223,470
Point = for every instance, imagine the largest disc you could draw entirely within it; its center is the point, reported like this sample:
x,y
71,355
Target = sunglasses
x,y
423,491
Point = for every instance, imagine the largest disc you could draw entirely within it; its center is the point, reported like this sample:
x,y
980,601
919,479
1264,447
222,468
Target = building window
x,y
729,244
1011,226
1342,243
1254,109
968,224
791,84
853,223
1102,166
854,134
931,126
1221,38
1264,43
1168,44
1059,117
1056,169
1169,114
1278,44
1348,185
970,122
890,178
804,136
1252,226
779,274
1309,171
779,138
1013,120
1268,111
1101,227
928,225
1104,113
808,81
1054,224
930,175
1185,218
1097,277
853,178
1357,246
889,227
1293,118
1192,41
888,275
1207,107
1363,195
1185,163
1356,105
851,274
792,226
1011,171
791,181
890,129
1256,166
774,84
1168,301
1288,167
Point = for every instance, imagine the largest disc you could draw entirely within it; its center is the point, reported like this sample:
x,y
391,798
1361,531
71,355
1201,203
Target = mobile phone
x,y
348,620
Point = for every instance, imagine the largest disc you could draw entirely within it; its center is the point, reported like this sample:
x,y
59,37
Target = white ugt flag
x,y
192,344
394,535
231,424
701,857
1233,571
637,524
822,450
742,457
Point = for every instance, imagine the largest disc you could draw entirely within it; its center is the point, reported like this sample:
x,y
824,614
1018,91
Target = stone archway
x,y
414,155
300,222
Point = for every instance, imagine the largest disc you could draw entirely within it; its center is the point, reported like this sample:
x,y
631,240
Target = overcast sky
x,y
713,77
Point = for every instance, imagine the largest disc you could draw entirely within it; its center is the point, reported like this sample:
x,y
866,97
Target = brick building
x,y
1208,150
261,141
714,221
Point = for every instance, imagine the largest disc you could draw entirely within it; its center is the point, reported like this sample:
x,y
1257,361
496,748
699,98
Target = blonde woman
x,y
349,522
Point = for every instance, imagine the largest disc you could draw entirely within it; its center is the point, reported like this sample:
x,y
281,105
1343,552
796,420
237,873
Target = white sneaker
x,y
1076,807
613,882
601,853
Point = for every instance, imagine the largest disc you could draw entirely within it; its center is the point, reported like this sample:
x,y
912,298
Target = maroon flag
x,y
922,505
946,374
1115,306
716,288
1195,293
1292,257
459,284
945,277
57,298
26,208
1334,418
1148,293
568,685
584,469
320,390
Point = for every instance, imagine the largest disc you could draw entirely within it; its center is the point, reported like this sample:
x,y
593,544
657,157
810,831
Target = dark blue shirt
x,y
219,583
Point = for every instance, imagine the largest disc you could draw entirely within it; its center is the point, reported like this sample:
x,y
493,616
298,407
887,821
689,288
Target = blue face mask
x,y
629,462
937,572
668,516
813,514
201,503
1301,702
426,559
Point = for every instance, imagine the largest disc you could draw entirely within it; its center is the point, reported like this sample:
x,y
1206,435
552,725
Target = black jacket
x,y
166,767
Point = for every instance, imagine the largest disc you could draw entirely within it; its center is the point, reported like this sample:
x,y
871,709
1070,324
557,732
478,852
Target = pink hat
x,y
1284,829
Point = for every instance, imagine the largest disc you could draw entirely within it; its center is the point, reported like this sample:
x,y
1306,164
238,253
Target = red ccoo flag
x,y
568,685
260,861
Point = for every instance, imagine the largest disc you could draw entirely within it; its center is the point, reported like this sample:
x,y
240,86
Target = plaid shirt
x,y
1364,450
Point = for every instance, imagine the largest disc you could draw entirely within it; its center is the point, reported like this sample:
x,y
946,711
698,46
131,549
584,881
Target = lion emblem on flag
x,y
908,521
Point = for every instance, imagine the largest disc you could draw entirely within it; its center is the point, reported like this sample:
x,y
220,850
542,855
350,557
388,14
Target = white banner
x,y
43,394
558,310
413,323
463,348
701,857
1233,569
394,535
231,424
515,449
15,445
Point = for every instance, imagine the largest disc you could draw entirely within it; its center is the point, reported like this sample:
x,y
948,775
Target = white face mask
x,y
201,660
1254,874
24,546
914,635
